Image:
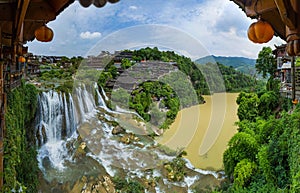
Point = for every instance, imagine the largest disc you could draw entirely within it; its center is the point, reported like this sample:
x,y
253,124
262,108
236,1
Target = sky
x,y
194,28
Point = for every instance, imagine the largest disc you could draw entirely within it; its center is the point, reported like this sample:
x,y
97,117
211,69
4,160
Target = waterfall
x,y
62,117
57,121
50,116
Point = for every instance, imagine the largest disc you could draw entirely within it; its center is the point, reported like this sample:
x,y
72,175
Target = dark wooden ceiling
x,y
28,15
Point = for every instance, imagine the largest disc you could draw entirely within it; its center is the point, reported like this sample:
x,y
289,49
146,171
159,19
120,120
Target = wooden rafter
x,y
287,18
20,20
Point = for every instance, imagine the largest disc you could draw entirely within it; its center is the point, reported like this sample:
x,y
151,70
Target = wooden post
x,y
2,110
2,128
293,78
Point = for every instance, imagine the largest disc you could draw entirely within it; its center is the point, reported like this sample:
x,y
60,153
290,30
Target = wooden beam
x,y
40,11
6,12
21,18
254,8
58,5
293,78
295,5
287,16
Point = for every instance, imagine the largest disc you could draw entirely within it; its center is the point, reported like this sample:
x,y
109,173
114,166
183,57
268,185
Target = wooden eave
x,y
267,10
283,15
25,16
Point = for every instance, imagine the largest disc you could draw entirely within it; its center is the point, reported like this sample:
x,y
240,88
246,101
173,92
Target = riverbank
x,y
203,131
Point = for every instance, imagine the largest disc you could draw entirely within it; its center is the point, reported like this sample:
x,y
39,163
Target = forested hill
x,y
168,85
234,81
242,64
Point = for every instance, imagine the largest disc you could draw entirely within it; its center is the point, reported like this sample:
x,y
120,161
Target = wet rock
x,y
80,152
66,187
207,183
101,184
78,186
140,145
171,175
125,139
129,138
82,145
118,130
149,183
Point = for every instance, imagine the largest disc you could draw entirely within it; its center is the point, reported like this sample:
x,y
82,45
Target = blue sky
x,y
194,28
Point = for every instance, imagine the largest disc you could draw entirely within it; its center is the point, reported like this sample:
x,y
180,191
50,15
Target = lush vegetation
x,y
64,69
165,98
20,164
184,64
176,169
221,78
128,186
174,90
264,155
60,75
241,64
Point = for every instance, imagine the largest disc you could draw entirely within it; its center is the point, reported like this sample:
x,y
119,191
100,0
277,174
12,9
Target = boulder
x,y
125,139
118,130
80,152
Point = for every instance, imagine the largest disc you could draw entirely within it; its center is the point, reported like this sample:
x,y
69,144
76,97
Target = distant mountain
x,y
245,65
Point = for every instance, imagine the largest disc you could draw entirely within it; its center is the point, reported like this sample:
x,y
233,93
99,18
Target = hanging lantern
x,y
295,101
99,3
22,59
260,32
85,3
44,34
113,1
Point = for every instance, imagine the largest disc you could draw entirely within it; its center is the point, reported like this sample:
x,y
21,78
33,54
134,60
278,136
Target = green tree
x,y
125,63
268,102
104,76
266,63
241,146
243,172
248,106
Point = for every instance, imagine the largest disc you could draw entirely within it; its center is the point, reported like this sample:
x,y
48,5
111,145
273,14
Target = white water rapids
x,y
63,117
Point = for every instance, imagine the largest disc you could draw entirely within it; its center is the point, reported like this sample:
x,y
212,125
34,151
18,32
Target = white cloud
x,y
89,35
133,7
219,26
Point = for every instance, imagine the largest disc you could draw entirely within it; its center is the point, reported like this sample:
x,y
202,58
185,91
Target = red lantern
x,y
99,3
22,59
295,101
43,34
260,32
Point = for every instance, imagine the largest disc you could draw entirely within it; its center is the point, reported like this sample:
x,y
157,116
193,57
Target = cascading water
x,y
58,117
63,117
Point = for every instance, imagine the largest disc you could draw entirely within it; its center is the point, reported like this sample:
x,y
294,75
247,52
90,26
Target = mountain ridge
x,y
243,64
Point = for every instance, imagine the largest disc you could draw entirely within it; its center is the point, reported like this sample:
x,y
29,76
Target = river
x,y
204,130
77,147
